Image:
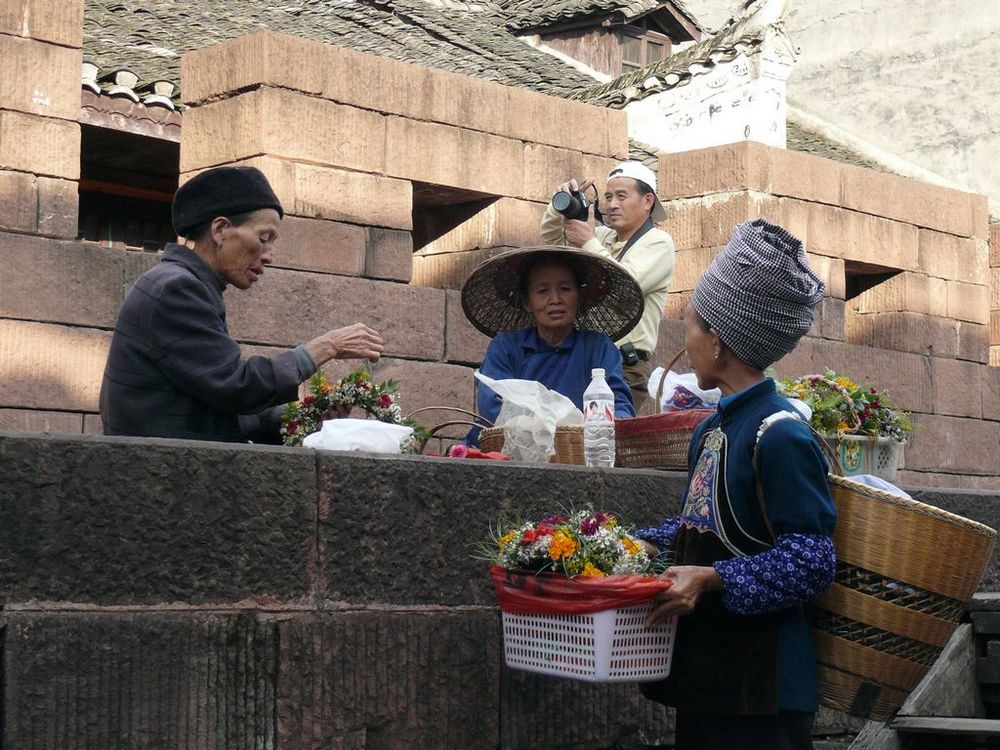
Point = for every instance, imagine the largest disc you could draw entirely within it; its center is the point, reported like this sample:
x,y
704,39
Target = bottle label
x,y
598,410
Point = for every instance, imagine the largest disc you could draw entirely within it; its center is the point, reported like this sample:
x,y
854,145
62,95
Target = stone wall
x,y
163,593
923,333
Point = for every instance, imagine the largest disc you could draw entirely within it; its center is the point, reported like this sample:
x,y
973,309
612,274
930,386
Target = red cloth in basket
x,y
555,594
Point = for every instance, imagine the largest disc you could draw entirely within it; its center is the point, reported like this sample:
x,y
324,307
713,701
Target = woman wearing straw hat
x,y
553,314
753,543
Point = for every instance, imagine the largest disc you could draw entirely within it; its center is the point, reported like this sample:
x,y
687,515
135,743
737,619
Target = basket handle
x,y
451,423
484,421
655,408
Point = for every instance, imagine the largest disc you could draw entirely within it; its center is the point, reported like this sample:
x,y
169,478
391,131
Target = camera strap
x,y
635,237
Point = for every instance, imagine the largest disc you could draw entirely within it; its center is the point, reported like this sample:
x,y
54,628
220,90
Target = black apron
x,y
723,663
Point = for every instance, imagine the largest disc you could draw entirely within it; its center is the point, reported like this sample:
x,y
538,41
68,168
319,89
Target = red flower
x,y
308,401
292,426
384,401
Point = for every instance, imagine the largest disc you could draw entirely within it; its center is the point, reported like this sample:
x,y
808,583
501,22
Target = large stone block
x,y
973,342
40,145
94,679
905,292
287,308
44,78
335,194
911,201
505,222
18,201
956,385
738,166
389,255
367,509
389,678
831,272
905,332
25,420
855,236
953,445
690,265
829,321
617,714
453,157
462,341
60,282
140,521
46,366
283,124
317,245
58,207
59,23
954,258
991,394
419,93
969,302
450,270
994,242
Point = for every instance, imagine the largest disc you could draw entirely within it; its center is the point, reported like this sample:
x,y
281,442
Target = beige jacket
x,y
650,260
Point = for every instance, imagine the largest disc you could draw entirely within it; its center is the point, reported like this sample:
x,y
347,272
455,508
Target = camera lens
x,y
565,203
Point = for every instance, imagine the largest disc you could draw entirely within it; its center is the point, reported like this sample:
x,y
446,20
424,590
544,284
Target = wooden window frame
x,y
641,32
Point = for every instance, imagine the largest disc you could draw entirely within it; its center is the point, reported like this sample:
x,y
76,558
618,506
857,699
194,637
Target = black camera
x,y
574,205
629,354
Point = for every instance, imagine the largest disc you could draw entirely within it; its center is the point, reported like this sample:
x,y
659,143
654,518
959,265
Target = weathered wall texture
x,y
163,593
924,333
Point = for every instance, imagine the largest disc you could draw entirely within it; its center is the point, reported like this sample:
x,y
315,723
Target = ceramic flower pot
x,y
863,454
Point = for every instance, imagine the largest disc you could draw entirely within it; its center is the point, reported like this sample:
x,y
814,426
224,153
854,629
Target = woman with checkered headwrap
x,y
752,544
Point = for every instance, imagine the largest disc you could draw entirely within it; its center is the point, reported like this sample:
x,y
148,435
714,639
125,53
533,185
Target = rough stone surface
x,y
373,502
41,145
48,366
905,332
463,342
389,255
954,446
386,678
47,82
287,308
956,384
506,222
954,258
61,282
121,520
87,680
38,205
25,420
56,22
324,246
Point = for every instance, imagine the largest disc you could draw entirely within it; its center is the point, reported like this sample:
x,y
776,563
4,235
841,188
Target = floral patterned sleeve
x,y
661,537
797,568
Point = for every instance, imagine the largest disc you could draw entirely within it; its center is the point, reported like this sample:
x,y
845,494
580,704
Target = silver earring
x,y
717,352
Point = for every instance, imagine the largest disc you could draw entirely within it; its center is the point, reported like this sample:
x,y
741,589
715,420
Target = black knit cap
x,y
223,191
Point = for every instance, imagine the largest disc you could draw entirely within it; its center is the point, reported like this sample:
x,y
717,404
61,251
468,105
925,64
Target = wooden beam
x,y
679,17
126,191
947,725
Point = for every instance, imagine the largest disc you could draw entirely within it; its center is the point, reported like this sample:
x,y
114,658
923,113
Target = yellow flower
x,y
561,546
507,538
590,571
630,546
846,383
843,427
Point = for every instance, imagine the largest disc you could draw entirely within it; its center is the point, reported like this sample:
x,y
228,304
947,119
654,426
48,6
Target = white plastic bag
x,y
681,391
529,414
367,435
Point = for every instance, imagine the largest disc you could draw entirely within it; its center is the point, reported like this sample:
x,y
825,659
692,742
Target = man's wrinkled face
x,y
247,248
625,209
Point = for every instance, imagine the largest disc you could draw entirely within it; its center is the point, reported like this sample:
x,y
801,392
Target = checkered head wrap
x,y
759,293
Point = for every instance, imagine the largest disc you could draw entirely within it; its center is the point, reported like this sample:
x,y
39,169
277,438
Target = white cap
x,y
597,372
639,171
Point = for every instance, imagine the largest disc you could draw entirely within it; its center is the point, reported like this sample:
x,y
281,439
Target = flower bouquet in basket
x,y
860,422
325,400
574,591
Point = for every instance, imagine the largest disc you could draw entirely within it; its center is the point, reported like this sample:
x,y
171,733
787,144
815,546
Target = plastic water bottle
x,y
599,422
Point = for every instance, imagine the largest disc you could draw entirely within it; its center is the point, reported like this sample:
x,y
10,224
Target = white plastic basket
x,y
608,646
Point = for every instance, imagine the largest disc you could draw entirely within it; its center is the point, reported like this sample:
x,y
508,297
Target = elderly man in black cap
x,y
173,370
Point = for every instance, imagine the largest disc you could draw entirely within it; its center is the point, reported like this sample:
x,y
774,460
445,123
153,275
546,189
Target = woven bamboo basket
x,y
659,440
906,571
568,443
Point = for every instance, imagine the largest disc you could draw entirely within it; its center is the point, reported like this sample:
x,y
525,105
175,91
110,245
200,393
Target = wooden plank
x,y
948,688
947,725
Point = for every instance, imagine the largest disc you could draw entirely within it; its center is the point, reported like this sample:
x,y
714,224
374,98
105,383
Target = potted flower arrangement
x,y
574,591
324,400
860,422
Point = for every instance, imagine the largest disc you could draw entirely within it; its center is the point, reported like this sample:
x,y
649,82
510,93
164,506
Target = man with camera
x,y
629,236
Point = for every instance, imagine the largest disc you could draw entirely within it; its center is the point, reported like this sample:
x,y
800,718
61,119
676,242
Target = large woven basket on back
x,y
568,443
905,573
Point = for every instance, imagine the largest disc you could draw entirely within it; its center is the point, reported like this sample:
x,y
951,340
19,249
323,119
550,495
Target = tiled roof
x,y
741,35
147,37
800,138
527,14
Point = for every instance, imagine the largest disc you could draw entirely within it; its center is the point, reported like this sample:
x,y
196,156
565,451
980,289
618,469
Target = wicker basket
x,y
905,574
657,441
568,443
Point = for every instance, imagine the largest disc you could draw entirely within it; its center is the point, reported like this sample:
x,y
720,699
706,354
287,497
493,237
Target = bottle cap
x,y
597,372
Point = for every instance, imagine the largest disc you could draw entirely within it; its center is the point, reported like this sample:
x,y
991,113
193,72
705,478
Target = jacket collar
x,y
193,262
534,343
736,402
